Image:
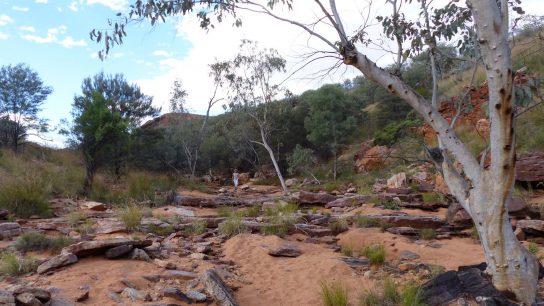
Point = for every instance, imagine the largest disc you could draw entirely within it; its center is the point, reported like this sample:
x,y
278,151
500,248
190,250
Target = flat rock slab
x,y
179,274
9,229
408,255
109,226
95,206
284,250
467,282
354,262
217,289
56,262
534,227
403,230
304,197
348,201
418,222
312,230
177,294
96,247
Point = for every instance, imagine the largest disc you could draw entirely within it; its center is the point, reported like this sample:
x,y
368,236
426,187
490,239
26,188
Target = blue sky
x,y
52,38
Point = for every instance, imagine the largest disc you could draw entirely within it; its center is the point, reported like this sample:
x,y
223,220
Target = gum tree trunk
x,y
273,158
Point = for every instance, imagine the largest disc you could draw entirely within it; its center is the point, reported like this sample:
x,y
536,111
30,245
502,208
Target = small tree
x,y
95,131
248,76
22,94
302,160
330,121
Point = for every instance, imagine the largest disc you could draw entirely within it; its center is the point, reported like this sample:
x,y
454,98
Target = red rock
x,y
530,167
371,159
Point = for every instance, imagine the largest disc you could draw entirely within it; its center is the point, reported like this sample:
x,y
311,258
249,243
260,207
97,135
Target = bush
x,y
75,218
131,216
252,211
142,185
232,226
347,250
25,197
334,294
410,295
279,225
33,241
198,227
86,227
161,230
432,197
11,265
225,211
364,222
533,248
427,234
281,209
339,226
375,254
390,204
331,186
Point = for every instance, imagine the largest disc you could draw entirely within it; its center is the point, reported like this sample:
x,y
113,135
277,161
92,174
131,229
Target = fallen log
x,y
217,289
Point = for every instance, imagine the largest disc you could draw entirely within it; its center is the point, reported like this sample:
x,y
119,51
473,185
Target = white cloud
x,y
3,36
117,54
162,53
53,37
20,8
41,1
27,28
115,5
69,42
5,19
73,6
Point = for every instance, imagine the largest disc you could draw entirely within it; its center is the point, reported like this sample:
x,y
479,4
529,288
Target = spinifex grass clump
x,y
375,254
334,294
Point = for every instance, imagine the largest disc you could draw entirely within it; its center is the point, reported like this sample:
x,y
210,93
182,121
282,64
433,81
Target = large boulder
x,y
304,197
96,247
371,159
56,262
530,167
398,180
532,227
9,229
244,178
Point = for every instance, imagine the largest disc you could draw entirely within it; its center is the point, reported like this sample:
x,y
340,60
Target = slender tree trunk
x,y
335,164
90,170
273,158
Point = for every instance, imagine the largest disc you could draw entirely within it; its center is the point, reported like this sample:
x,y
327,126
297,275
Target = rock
x,y
56,262
407,266
118,251
95,206
27,299
348,201
177,294
353,262
198,256
304,197
136,295
403,230
422,177
179,274
398,180
440,185
520,235
40,294
417,222
217,289
530,167
9,229
533,227
115,297
61,302
165,264
139,254
458,216
312,230
244,178
244,187
197,296
284,250
205,249
97,247
6,298
291,182
82,296
408,255
4,214
468,282
371,159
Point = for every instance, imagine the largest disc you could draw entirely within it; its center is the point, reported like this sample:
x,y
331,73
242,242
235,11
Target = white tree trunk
x,y
273,158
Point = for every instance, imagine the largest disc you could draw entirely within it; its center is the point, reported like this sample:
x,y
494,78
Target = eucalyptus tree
x,y
483,25
22,93
252,90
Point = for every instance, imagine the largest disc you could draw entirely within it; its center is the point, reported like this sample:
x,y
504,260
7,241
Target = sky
x,y
52,38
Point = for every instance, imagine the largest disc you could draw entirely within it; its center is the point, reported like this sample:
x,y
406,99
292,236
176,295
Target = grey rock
x,y
115,297
118,251
139,254
285,250
96,247
27,299
57,262
177,294
61,302
353,262
197,296
9,229
7,298
136,295
408,255
178,274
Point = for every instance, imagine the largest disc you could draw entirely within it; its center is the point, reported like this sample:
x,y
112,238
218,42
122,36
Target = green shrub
x,y
390,204
338,226
11,265
533,248
347,250
161,230
436,270
194,184
279,225
331,186
225,211
198,227
252,211
142,185
371,298
375,254
75,218
384,225
391,295
25,197
33,241
410,295
281,209
427,234
334,294
232,226
432,197
364,222
131,216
